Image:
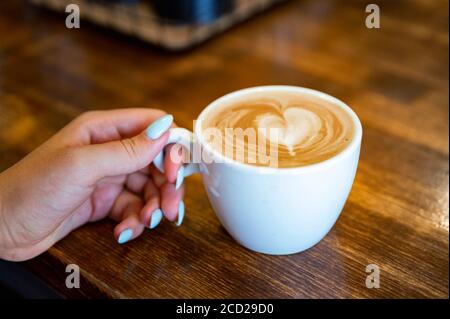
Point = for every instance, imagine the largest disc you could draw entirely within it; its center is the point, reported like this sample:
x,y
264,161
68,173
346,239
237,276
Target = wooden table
x,y
395,78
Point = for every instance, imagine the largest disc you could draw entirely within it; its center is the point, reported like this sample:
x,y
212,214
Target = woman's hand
x,y
98,165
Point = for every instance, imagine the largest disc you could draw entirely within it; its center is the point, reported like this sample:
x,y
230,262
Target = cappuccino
x,y
278,129
291,207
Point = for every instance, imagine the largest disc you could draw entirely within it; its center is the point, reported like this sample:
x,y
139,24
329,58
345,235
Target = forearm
x,y
10,249
6,245
16,244
10,226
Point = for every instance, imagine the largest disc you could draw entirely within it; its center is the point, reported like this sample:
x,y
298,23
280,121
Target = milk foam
x,y
307,129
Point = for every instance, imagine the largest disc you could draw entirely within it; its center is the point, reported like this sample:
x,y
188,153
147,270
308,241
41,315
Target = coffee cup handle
x,y
185,138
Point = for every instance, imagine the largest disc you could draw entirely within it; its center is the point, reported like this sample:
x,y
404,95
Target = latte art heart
x,y
297,126
302,129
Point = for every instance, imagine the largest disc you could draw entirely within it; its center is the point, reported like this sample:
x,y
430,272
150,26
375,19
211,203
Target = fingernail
x,y
155,219
125,236
159,127
180,178
180,213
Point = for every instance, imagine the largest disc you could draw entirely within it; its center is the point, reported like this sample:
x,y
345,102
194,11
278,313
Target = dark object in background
x,y
191,11
171,24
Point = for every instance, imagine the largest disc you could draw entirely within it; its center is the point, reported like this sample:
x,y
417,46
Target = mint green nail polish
x,y
155,219
159,127
180,213
125,236
180,177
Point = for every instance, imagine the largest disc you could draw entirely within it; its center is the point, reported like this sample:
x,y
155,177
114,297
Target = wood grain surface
x,y
395,78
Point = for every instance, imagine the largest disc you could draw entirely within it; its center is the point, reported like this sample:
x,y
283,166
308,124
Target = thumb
x,y
129,155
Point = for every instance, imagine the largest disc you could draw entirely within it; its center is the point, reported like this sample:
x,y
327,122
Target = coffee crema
x,y
279,129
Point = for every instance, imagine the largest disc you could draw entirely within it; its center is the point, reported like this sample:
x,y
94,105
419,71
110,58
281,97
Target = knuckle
x,y
77,126
86,117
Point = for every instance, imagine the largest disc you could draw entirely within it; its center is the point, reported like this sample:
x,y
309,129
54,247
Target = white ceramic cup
x,y
274,210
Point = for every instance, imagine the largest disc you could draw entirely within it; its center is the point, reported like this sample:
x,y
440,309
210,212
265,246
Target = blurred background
x,y
179,55
172,24
153,53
